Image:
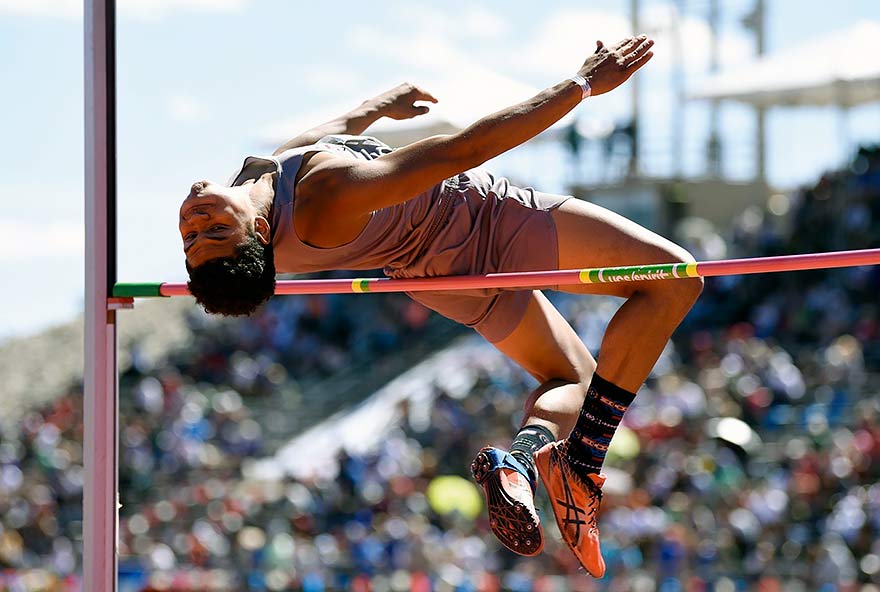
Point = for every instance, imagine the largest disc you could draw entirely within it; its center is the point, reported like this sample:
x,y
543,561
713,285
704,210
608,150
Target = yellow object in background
x,y
451,493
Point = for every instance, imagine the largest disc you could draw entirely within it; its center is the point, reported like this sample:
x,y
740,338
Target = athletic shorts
x,y
487,226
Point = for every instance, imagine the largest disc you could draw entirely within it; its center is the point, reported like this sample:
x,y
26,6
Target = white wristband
x,y
585,86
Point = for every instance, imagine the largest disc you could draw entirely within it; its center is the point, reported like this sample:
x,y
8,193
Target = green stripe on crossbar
x,y
137,290
637,273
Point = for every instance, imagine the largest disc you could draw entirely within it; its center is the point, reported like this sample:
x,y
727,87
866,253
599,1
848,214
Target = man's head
x,y
228,246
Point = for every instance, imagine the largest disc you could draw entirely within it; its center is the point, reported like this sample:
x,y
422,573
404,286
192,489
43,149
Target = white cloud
x,y
329,78
39,8
566,38
26,240
59,202
186,108
415,49
137,9
696,40
473,22
431,39
439,42
156,9
563,41
479,21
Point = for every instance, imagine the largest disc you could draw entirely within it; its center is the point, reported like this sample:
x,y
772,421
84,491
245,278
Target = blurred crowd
x,y
308,337
792,504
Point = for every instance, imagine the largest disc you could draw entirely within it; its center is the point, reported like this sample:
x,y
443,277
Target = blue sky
x,y
201,82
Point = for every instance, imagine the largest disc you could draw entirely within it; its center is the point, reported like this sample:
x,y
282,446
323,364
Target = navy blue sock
x,y
528,440
600,415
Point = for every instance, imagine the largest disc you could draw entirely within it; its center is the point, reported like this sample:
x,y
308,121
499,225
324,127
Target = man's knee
x,y
577,371
686,291
690,288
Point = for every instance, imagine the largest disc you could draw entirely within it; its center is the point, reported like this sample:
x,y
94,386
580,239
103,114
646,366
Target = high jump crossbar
x,y
541,279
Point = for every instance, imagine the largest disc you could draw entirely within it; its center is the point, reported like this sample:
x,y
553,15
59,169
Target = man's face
x,y
214,219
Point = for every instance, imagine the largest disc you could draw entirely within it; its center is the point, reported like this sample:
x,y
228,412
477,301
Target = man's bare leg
x,y
547,347
590,236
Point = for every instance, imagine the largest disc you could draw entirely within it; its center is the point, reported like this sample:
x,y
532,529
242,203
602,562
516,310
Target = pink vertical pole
x,y
100,403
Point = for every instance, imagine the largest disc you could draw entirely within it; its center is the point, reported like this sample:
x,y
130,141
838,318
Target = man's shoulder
x,y
312,161
252,168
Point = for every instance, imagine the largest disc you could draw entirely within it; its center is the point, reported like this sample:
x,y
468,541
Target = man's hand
x,y
397,103
607,69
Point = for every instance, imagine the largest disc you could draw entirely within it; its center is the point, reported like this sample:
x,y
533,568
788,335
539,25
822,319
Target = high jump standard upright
x,y
100,376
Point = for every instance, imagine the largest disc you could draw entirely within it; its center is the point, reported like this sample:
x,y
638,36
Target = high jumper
x,y
333,199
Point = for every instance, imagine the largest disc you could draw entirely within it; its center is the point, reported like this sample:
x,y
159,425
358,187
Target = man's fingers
x,y
423,95
640,50
411,111
638,63
625,44
629,43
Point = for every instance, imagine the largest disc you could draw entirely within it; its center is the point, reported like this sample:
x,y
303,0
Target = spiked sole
x,y
514,524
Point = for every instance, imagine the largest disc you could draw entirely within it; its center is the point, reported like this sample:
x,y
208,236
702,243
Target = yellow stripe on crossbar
x,y
584,276
361,286
691,270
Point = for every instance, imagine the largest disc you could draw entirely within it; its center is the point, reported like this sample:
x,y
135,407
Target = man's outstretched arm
x,y
396,103
354,188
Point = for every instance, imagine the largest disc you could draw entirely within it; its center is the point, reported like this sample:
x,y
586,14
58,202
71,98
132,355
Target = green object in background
x,y
625,444
451,493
